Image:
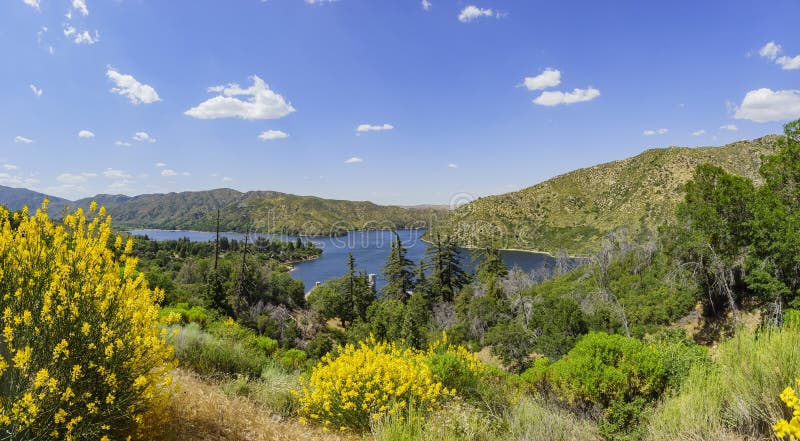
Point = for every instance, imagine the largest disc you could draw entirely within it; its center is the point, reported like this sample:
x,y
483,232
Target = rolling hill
x,y
574,211
262,211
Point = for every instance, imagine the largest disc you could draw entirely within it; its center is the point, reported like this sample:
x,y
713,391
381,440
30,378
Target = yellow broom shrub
x,y
365,382
789,429
81,353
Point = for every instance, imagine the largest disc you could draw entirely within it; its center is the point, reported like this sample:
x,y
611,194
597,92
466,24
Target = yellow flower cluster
x,y
81,352
363,383
790,429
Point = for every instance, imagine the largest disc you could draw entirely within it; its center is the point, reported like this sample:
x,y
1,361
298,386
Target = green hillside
x,y
575,210
264,211
16,198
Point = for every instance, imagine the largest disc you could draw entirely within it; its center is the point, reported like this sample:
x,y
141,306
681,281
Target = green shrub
x,y
275,389
454,373
210,354
292,359
603,368
536,375
266,344
679,354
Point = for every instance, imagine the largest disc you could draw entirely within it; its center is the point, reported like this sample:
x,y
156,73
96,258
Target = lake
x,y
370,249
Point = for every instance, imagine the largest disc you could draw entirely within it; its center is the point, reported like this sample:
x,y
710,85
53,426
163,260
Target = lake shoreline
x,y
543,253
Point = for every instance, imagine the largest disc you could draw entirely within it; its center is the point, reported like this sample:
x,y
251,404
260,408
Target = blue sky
x,y
455,99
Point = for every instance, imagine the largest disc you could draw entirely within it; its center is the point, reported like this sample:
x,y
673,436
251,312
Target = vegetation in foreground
x,y
600,352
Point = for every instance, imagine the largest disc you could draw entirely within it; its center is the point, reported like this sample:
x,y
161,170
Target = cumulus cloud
x,y
122,144
227,179
112,173
17,181
471,13
74,178
81,37
764,105
353,160
260,103
426,5
85,134
700,132
168,172
36,91
363,128
10,166
128,86
576,96
32,3
160,164
451,165
22,140
730,127
80,5
771,51
548,78
655,132
271,135
143,137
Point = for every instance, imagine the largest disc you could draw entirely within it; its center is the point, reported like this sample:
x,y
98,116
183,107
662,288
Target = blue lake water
x,y
370,249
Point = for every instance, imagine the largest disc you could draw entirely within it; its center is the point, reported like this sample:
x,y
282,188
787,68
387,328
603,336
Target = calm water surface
x,y
370,249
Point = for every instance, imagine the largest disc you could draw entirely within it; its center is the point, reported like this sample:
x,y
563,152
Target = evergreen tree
x,y
416,321
397,273
358,293
447,274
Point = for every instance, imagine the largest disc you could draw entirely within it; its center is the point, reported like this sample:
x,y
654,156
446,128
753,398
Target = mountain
x,y
16,198
262,211
574,211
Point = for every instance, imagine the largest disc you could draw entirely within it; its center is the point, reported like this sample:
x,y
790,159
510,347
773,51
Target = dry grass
x,y
199,410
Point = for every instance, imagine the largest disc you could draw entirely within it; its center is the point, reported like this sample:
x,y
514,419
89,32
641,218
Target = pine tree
x,y
447,274
397,273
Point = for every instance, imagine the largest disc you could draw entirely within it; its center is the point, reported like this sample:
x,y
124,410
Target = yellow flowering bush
x,y
81,352
365,382
790,429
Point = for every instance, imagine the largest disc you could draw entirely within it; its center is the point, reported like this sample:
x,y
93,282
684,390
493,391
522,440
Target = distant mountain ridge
x,y
574,211
261,211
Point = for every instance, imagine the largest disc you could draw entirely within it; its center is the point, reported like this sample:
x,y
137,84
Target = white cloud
x,y
370,128
789,63
143,136
10,166
160,164
36,91
122,144
731,127
85,134
226,179
426,5
23,140
168,172
354,160
17,181
80,5
32,3
270,135
82,37
471,13
548,78
127,85
319,2
764,105
74,179
771,51
655,132
112,173
451,165
262,103
576,96
700,132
